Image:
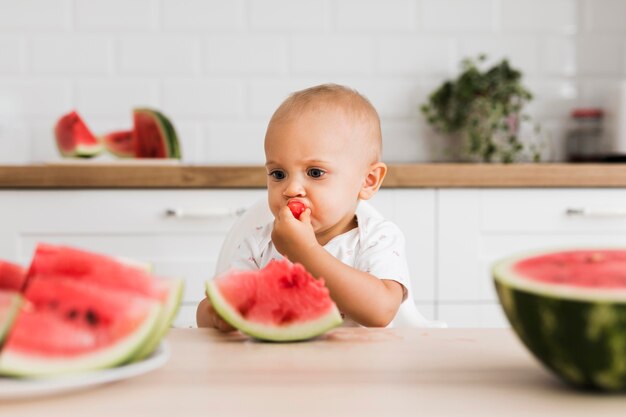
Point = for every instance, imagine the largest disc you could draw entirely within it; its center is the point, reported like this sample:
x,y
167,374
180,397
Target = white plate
x,y
13,389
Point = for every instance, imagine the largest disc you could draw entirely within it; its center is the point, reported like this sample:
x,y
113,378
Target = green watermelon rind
x,y
291,333
83,151
12,312
32,366
577,333
166,128
168,314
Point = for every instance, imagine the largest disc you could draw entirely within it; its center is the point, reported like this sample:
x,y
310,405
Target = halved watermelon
x,y
281,302
51,262
74,139
72,326
10,303
120,143
569,308
154,135
12,276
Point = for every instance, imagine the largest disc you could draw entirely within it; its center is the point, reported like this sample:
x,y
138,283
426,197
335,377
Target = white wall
x,y
219,68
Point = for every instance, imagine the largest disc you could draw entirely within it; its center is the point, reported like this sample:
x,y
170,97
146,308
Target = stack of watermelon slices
x,y
153,136
75,311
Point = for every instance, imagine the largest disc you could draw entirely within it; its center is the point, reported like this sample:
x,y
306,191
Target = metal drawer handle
x,y
212,213
595,212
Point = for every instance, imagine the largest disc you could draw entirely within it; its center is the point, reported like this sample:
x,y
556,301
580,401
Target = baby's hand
x,y
292,237
206,316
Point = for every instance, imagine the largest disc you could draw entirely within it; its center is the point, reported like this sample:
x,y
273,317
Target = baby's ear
x,y
373,180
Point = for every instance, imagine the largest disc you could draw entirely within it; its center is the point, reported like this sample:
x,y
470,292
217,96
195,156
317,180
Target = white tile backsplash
x,y
374,16
113,15
332,54
522,51
220,68
286,16
116,96
606,16
161,55
261,55
201,98
35,96
415,54
70,55
459,15
249,139
536,16
35,15
11,54
203,15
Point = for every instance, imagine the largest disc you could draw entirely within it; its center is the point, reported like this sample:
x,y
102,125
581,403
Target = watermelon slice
x,y
281,302
74,326
52,262
12,276
154,135
120,143
10,303
569,308
74,139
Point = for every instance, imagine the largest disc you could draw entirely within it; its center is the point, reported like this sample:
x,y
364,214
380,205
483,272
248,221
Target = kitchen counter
x,y
348,372
91,174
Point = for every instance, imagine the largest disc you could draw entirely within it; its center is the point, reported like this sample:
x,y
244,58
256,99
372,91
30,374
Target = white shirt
x,y
375,246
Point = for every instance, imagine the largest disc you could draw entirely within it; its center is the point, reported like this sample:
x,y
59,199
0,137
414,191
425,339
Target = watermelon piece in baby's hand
x,y
297,208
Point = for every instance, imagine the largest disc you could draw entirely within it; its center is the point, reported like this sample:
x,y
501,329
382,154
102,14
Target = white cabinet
x,y
478,226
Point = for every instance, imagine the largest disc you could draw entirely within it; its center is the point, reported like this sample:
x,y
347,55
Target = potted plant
x,y
484,110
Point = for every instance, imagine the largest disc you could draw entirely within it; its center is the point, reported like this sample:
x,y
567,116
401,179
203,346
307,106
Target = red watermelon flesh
x,y
120,143
281,302
12,276
51,261
598,269
150,137
98,316
73,137
297,208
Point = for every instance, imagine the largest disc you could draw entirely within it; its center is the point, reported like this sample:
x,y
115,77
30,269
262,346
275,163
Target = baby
x,y
322,149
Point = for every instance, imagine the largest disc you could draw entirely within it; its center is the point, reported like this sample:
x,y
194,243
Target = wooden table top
x,y
348,372
89,174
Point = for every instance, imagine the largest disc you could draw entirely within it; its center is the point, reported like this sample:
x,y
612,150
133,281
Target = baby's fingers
x,y
305,217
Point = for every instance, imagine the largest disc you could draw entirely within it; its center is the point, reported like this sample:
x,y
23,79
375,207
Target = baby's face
x,y
317,158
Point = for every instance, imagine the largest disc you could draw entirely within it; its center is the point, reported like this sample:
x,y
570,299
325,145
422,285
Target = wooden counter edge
x,y
431,175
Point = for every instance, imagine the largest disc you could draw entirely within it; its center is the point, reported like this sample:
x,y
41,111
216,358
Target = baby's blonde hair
x,y
347,99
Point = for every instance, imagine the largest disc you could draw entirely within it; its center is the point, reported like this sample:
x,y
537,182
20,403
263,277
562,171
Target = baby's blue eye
x,y
316,172
277,175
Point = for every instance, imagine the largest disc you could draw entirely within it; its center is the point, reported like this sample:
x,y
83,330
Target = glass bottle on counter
x,y
585,137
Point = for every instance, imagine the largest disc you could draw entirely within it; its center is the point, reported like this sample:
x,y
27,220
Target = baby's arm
x,y
366,299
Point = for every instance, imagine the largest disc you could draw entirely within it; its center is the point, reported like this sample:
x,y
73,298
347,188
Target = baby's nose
x,y
294,188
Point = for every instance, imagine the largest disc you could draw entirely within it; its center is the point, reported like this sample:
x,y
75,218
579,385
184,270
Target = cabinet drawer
x,y
477,227
552,211
124,211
